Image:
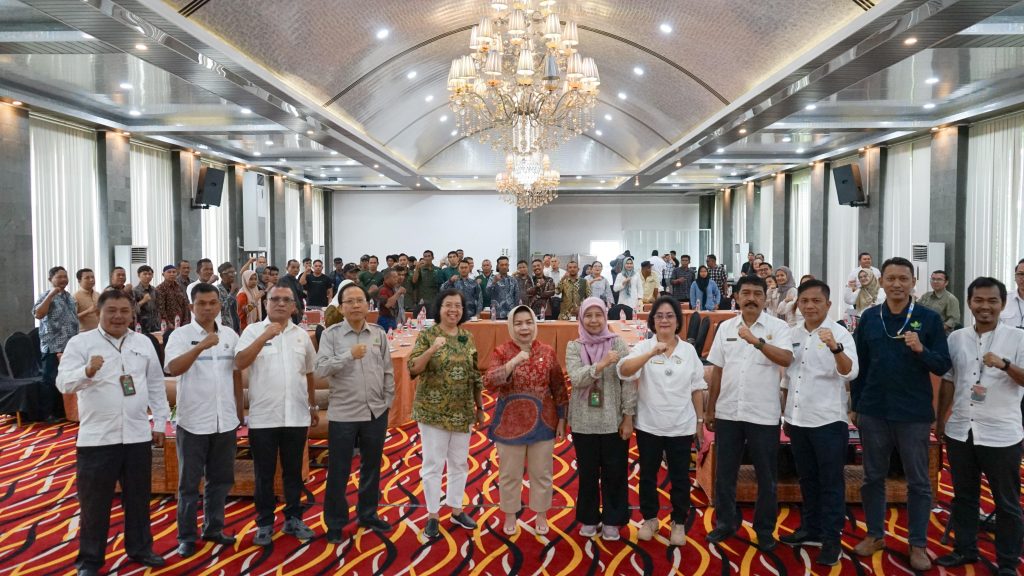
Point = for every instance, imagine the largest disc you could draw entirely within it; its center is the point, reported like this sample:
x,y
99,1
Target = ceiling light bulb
x,y
444,118
811,107
336,169
910,41
16,103
455,132
718,167
334,152
257,153
743,130
935,128
799,150
411,75
679,164
598,132
141,47
269,142
666,29
282,160
929,106
638,71
375,166
608,117
932,80
720,150
787,139
429,98
622,95
579,177
309,132
383,33
733,173
245,111
126,86
135,113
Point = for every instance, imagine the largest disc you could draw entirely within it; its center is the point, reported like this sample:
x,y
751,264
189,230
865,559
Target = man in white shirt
x,y
355,359
864,263
657,266
117,376
209,412
817,403
205,271
556,274
282,407
744,408
984,432
1013,312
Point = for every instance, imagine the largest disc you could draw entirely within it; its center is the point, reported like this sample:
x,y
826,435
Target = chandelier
x,y
524,87
528,181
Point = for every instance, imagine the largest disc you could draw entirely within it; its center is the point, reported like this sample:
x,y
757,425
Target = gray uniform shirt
x,y
360,390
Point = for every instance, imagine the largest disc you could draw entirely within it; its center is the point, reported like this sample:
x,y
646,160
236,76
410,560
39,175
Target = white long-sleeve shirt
x,y
107,415
636,290
817,390
851,299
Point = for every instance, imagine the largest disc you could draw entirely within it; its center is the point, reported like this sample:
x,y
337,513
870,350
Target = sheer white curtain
x,y
767,195
800,225
318,217
719,226
739,228
995,193
217,240
65,200
152,198
842,238
293,220
905,213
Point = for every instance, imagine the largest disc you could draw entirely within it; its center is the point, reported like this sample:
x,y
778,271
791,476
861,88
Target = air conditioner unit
x,y
255,211
316,251
927,258
130,258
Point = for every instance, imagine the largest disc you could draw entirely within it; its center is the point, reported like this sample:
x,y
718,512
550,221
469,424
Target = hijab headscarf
x,y
868,292
332,314
789,285
629,275
702,283
256,313
595,346
511,322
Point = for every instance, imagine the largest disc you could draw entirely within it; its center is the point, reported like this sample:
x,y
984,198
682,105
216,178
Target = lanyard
x,y
118,348
982,352
881,315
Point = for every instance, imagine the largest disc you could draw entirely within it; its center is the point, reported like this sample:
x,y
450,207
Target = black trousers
x,y
99,470
601,462
677,453
1001,466
210,457
820,457
762,442
268,444
341,440
50,401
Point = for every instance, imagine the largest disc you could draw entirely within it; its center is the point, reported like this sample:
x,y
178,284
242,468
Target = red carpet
x,y
38,526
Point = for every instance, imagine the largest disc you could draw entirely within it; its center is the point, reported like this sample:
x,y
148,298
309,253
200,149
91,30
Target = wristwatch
x,y
760,343
839,348
1006,365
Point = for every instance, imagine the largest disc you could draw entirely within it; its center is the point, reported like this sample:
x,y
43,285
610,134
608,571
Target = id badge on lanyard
x,y
126,381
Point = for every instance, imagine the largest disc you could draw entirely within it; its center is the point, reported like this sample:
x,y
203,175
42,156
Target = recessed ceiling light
x,y
245,111
381,175
932,80
733,173
282,160
336,169
197,152
675,185
861,149
351,162
598,132
603,181
334,152
257,153
309,132
444,118
16,103
787,139
929,106
476,177
382,186
578,177
638,71
141,47
743,130
799,150
622,95
910,41
126,86
679,164
126,133
322,175
203,147
608,117
674,173
87,36
429,98
935,128
720,150
135,113
383,33
665,28
269,142
455,132
411,75
811,107
718,166
375,166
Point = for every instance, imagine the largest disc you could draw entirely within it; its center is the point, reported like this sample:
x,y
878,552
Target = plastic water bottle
x,y
163,325
421,319
138,328
177,321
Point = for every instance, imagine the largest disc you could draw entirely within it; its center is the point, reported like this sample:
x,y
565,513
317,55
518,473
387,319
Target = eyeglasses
x,y
354,302
664,316
451,306
280,300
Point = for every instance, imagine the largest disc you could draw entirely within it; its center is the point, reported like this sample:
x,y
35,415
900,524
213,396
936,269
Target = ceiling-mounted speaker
x,y
210,186
849,188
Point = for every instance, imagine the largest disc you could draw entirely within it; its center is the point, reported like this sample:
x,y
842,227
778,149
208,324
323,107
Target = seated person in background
x,y
942,301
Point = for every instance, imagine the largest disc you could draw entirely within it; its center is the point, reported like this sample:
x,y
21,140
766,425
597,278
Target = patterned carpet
x,y
38,527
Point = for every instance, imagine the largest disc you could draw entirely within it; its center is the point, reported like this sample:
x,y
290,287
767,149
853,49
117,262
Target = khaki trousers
x,y
537,459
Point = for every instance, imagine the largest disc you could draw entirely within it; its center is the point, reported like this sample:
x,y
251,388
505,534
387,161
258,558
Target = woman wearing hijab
x,y
599,285
448,404
630,287
530,412
248,298
786,290
669,412
601,411
704,293
332,314
866,295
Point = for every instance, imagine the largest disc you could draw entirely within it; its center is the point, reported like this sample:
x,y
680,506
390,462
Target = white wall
x,y
391,223
567,227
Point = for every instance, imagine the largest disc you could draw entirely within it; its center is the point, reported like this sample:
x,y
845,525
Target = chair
x,y
158,347
702,335
24,362
21,384
692,328
619,310
319,333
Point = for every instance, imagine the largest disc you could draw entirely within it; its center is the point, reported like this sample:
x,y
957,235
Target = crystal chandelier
x,y
524,88
528,181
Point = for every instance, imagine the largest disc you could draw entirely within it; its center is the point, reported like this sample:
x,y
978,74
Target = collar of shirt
x,y
344,327
118,342
199,328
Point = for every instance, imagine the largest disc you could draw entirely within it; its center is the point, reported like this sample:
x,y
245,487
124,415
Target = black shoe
x,y
433,529
88,572
334,536
720,534
219,538
186,549
464,520
150,559
830,554
955,558
801,538
375,523
766,542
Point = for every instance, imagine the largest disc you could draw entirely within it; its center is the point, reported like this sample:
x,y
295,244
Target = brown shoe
x,y
919,559
869,545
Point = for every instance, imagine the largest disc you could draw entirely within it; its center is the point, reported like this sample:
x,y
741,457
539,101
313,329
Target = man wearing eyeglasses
x,y
942,301
899,345
1013,313
355,359
282,407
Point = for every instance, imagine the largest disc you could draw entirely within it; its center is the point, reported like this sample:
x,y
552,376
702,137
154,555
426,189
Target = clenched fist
x,y
746,334
827,338
439,342
914,342
359,351
95,363
273,329
210,341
